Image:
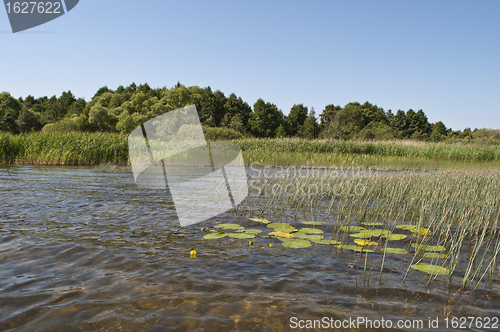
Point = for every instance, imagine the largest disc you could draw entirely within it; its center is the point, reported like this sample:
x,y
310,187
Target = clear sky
x,y
439,56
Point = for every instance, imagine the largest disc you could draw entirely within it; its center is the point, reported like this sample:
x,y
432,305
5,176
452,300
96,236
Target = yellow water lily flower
x,y
193,253
362,242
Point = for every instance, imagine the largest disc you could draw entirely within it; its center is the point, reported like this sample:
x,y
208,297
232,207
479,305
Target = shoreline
x,y
106,167
94,149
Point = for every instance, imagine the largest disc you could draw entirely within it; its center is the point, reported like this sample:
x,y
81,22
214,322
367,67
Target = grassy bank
x,y
76,148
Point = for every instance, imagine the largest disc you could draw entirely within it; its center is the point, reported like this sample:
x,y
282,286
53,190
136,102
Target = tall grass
x,y
94,148
461,209
385,154
73,148
409,149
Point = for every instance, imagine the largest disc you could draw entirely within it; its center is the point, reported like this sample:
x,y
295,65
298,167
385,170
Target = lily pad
x,y
366,234
281,234
313,223
241,235
362,242
213,236
250,231
310,237
406,227
421,231
414,229
398,251
430,268
373,223
284,227
352,229
361,235
296,244
433,255
311,230
332,242
354,248
229,226
395,237
427,247
264,221
277,225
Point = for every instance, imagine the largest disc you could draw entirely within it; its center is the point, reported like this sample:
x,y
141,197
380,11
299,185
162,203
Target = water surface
x,y
83,250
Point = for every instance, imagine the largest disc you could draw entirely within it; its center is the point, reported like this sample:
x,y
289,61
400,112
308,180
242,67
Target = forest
x,y
223,117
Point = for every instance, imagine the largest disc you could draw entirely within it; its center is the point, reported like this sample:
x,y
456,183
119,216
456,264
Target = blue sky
x,y
439,56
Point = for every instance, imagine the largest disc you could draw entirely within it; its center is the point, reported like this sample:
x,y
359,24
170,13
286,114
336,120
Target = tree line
x,y
125,108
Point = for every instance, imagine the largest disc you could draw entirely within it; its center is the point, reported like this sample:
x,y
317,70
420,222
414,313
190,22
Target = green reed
x,y
393,154
461,209
73,148
97,148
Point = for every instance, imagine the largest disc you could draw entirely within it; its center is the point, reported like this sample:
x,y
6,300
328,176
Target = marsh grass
x,y
460,210
78,148
72,148
385,154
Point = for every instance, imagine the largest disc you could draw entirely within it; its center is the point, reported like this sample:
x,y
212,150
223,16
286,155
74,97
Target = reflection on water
x,y
86,250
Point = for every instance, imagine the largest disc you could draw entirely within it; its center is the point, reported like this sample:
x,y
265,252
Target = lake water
x,y
85,250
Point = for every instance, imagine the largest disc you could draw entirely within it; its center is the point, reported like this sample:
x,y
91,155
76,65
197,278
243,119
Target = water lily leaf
x,y
277,225
421,231
213,236
398,251
434,255
414,229
361,235
296,244
406,227
229,226
241,235
384,233
264,221
250,231
373,223
430,268
352,229
354,248
284,227
281,234
428,248
311,231
365,242
368,233
313,223
332,242
311,237
395,237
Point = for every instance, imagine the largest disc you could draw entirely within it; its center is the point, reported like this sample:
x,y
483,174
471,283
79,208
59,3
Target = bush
x,y
216,133
65,125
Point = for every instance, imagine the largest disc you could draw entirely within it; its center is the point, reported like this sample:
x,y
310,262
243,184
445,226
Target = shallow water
x,y
87,250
